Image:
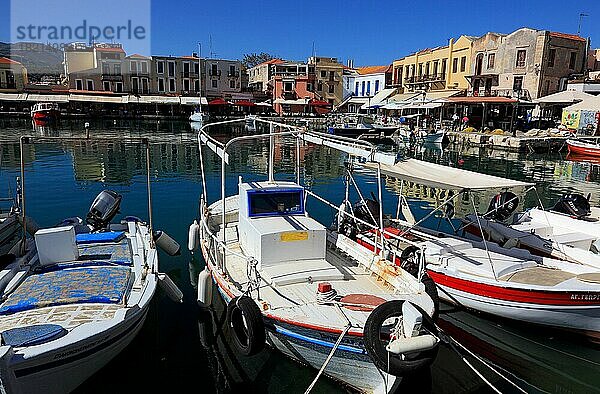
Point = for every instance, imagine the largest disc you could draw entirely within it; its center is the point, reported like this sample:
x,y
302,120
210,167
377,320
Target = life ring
x,y
375,346
246,325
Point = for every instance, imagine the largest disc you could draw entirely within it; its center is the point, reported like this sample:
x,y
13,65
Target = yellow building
x,y
436,69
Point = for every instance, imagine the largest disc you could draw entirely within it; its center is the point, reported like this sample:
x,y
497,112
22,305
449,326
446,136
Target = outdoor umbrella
x,y
218,101
244,103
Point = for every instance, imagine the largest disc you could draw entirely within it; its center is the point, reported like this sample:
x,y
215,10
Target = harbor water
x,y
181,349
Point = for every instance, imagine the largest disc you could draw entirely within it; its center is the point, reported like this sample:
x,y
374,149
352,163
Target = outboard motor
x,y
502,206
573,204
367,211
103,209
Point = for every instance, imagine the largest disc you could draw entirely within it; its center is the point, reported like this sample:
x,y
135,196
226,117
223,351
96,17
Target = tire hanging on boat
x,y
246,324
409,260
387,362
431,290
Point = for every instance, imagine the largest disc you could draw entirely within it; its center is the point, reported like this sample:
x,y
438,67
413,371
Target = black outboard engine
x,y
103,209
502,206
367,211
573,204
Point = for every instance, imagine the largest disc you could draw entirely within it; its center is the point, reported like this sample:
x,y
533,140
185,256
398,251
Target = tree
x,y
252,59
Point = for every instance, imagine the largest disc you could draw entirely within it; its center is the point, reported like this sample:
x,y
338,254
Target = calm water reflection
x,y
180,348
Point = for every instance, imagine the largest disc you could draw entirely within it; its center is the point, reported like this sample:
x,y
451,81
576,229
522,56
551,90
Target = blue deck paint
x,y
95,238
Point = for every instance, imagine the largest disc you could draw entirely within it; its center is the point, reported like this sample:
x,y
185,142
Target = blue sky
x,y
370,32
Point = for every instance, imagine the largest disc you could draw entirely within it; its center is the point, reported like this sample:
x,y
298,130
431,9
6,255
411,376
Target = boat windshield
x,y
271,203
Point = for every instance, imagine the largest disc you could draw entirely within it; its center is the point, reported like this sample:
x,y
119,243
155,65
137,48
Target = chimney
x,y
350,63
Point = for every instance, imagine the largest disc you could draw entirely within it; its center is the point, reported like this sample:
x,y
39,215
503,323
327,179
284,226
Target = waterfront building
x,y
13,76
360,85
328,79
136,74
293,87
439,69
260,75
222,78
175,75
526,64
97,67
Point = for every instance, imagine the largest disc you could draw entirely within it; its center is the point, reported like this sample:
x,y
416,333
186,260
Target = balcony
x,y
427,78
189,74
522,94
290,95
234,74
139,73
112,77
215,73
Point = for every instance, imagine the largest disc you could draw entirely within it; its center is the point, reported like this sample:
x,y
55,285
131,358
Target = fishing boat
x,y
76,294
45,112
306,290
577,147
481,275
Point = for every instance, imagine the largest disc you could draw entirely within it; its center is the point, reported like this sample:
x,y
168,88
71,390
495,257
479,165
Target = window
x,y
106,86
117,69
214,83
320,86
420,69
134,85
231,70
172,86
105,68
323,74
171,69
491,60
275,203
214,70
455,65
78,84
518,84
119,87
363,89
572,60
376,86
551,57
232,83
186,85
186,68
144,67
133,66
331,89
444,62
427,68
332,75
521,56
356,89
435,67
160,67
196,85
368,88
463,64
145,88
90,84
161,85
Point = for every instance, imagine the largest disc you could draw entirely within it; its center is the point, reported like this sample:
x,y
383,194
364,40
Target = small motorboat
x,y
306,290
579,147
75,295
481,275
45,112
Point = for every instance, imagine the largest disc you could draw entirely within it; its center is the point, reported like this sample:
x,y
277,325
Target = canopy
x,y
591,103
443,177
264,104
379,99
319,103
564,97
218,101
244,103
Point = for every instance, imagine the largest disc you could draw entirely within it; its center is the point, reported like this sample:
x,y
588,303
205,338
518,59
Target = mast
x,y
200,77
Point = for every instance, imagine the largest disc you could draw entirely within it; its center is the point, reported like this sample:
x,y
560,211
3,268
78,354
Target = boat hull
x,y
580,148
571,310
65,368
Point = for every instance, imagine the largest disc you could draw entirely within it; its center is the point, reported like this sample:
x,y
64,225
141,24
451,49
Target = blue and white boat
x,y
75,295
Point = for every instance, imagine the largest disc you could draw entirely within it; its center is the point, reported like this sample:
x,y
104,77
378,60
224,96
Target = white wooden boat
x,y
309,292
577,147
75,296
483,276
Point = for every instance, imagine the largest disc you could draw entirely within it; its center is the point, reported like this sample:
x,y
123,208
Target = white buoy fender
x,y
166,243
205,284
30,225
170,287
411,345
193,236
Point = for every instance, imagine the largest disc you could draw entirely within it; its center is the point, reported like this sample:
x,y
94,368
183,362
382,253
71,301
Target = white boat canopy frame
x,y
443,177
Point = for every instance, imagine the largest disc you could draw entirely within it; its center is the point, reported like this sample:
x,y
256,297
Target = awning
x,y
564,97
218,101
481,100
379,99
589,104
442,177
244,103
96,99
291,102
157,100
319,103
187,100
13,96
50,98
264,104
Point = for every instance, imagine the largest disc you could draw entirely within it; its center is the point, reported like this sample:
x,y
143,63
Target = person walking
x,y
465,122
454,121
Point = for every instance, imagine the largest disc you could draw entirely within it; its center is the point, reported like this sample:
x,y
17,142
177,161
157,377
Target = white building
x,y
360,87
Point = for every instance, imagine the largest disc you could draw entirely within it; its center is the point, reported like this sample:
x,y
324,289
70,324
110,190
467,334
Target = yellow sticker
x,y
292,236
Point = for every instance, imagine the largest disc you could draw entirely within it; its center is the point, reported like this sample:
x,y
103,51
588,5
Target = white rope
x,y
329,357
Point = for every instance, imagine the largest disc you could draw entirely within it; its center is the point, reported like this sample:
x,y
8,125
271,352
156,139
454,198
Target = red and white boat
x,y
577,147
483,276
45,111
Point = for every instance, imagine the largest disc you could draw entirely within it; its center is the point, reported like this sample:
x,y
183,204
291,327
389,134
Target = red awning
x,y
244,103
319,103
218,101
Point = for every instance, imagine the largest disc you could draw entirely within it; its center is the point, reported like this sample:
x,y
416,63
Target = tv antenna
x,y
581,16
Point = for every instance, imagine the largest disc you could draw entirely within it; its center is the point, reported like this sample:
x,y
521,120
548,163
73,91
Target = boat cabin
x,y
274,226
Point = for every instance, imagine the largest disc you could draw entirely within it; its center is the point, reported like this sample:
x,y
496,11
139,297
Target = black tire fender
x,y
375,346
431,290
246,326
